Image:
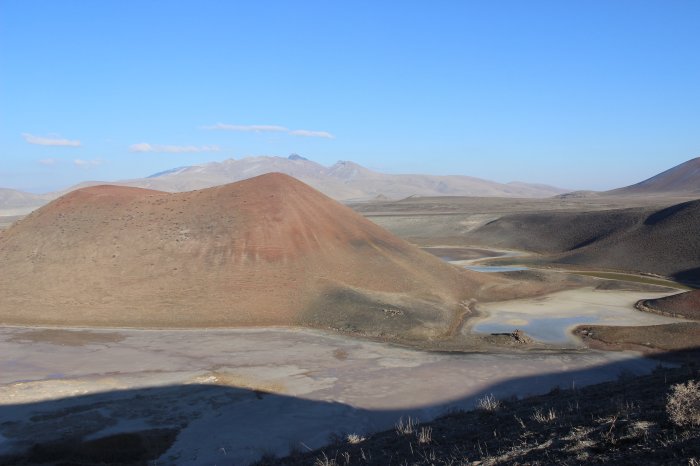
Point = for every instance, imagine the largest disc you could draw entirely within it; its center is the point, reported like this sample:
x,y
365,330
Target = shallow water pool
x,y
548,329
551,318
495,268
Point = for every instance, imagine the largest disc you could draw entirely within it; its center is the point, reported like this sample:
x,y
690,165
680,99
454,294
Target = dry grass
x,y
544,417
406,427
488,403
325,461
425,435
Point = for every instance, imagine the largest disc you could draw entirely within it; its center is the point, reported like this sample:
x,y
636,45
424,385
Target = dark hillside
x,y
665,241
683,178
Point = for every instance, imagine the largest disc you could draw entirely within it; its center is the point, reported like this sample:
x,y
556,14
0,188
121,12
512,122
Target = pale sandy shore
x,y
233,395
551,318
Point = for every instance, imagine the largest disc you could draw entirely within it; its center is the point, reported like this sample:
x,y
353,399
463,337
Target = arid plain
x,y
262,318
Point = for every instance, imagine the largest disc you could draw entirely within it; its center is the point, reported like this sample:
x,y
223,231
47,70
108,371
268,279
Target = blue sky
x,y
581,94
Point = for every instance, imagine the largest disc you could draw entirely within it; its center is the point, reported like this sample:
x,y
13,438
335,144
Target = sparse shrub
x,y
355,438
683,404
407,427
544,417
425,435
488,403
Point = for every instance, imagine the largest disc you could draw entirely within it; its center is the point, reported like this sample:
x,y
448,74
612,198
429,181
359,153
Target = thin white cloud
x,y
270,129
248,128
146,147
312,134
87,163
49,162
50,141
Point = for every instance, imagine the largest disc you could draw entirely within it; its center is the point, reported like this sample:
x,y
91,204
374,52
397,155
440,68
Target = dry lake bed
x,y
230,396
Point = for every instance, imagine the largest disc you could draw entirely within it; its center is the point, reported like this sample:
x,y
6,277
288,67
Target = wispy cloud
x,y
49,162
50,140
312,134
146,147
270,129
87,163
248,128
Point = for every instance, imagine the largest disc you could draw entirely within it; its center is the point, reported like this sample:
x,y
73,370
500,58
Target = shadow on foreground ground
x,y
625,422
210,424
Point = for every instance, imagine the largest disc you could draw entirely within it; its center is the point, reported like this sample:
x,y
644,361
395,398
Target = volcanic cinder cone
x,y
265,251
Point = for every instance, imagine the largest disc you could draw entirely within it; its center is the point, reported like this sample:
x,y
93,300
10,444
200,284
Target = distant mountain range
x,y
348,181
344,181
14,202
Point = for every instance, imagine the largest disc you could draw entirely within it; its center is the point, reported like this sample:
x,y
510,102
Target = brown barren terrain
x,y
683,178
645,338
685,305
667,337
265,251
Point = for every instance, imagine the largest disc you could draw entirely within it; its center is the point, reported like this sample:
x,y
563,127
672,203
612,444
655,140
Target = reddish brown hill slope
x,y
269,250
